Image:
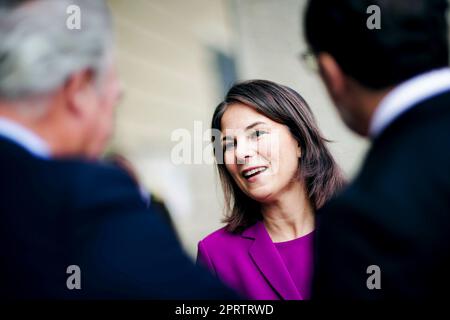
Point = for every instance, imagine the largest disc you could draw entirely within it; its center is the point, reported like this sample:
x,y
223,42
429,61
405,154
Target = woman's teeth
x,y
253,172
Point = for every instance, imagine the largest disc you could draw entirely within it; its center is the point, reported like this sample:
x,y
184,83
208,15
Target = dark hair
x,y
281,104
412,38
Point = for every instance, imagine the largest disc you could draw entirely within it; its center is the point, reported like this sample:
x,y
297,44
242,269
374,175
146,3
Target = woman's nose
x,y
244,151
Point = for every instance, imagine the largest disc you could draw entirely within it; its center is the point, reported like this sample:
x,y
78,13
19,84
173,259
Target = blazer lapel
x,y
265,255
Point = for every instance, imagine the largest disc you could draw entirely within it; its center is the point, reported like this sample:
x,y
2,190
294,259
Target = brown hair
x,y
322,176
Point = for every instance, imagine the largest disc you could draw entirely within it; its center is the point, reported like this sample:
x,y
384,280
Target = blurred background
x,y
177,58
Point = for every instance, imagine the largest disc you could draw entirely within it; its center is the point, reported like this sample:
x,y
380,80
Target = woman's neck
x,y
290,216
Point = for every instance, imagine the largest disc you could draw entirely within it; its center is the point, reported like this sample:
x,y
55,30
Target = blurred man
x,y
74,228
152,201
387,236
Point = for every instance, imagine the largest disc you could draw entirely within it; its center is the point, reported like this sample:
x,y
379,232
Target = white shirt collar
x,y
406,95
24,137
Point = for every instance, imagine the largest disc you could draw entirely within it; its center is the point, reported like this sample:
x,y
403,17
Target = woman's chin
x,y
261,196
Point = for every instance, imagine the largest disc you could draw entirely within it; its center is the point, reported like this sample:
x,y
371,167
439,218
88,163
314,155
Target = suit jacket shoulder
x,y
220,242
395,215
59,213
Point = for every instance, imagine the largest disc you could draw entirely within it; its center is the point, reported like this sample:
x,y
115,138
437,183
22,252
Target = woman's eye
x,y
258,133
228,145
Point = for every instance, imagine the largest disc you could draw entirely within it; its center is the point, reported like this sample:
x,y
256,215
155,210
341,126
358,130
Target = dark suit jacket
x,y
396,215
57,213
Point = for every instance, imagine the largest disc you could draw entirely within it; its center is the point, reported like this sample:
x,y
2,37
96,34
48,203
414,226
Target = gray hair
x,y
38,52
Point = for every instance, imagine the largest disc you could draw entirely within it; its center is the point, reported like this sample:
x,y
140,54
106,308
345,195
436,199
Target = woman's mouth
x,y
252,172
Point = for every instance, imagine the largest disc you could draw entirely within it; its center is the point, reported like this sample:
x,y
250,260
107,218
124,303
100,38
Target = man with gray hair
x,y
70,226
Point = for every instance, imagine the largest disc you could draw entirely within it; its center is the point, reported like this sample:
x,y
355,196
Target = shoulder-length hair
x,y
321,174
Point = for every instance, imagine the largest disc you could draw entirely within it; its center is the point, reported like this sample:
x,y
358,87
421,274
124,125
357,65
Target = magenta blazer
x,y
249,263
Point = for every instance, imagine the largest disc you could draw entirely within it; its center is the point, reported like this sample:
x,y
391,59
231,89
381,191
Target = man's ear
x,y
332,75
77,91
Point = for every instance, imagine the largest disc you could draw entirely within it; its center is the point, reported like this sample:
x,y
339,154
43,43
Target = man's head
x,y
360,65
57,81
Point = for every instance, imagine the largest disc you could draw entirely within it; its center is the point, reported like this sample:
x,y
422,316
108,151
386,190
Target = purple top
x,y
250,263
298,259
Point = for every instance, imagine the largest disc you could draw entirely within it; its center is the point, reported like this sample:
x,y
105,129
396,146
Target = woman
x,y
275,171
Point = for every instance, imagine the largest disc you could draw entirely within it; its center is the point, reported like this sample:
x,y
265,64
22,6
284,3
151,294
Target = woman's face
x,y
261,155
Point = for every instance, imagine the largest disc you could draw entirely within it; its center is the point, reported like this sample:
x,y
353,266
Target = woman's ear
x,y
299,151
332,75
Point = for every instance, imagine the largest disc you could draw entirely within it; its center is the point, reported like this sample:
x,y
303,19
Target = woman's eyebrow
x,y
254,124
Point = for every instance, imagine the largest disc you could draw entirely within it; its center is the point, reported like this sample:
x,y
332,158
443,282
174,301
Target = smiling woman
x,y
275,171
